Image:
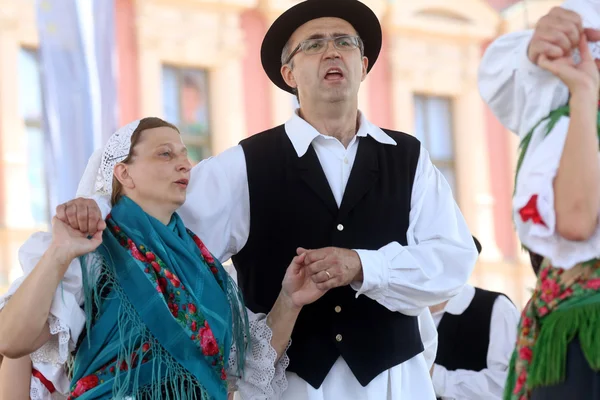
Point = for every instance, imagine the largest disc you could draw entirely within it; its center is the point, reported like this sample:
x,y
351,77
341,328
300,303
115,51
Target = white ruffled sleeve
x,y
66,319
264,376
533,202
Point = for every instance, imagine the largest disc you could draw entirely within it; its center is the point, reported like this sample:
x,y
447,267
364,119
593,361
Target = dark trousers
x,y
581,382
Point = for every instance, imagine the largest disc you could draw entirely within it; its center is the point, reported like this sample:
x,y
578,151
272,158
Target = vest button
x,y
338,337
338,309
340,227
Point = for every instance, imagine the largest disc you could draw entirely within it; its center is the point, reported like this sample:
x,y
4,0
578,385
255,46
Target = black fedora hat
x,y
361,17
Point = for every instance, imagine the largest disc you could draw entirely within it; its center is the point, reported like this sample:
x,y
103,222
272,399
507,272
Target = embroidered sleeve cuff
x,y
264,375
439,380
376,270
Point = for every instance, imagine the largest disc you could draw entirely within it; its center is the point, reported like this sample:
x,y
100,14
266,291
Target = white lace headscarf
x,y
98,176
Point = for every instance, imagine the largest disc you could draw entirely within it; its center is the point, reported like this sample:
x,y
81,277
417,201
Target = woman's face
x,y
159,172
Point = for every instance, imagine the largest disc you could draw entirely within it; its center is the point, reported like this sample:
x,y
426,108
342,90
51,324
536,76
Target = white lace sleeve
x,y
264,376
66,319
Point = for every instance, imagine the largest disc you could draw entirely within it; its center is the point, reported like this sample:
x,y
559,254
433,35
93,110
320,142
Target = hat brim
x,y
361,17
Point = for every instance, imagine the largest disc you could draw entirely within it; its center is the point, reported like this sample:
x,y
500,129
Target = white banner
x,y
79,101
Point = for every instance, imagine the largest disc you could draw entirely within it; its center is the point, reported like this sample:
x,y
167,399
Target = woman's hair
x,y
145,123
536,262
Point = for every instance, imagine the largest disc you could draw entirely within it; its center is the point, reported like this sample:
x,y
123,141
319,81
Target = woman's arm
x,y
21,336
577,182
266,362
15,378
18,335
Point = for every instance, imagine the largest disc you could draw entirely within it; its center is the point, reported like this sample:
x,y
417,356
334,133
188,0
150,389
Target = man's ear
x,y
288,76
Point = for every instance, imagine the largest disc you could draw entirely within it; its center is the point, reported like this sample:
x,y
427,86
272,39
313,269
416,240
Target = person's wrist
x,y
288,303
584,92
61,256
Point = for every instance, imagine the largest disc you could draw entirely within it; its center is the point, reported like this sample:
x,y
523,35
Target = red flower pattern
x,y
135,252
525,353
550,290
84,384
593,284
520,382
155,266
207,341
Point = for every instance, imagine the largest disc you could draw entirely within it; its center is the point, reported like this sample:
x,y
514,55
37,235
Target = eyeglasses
x,y
318,46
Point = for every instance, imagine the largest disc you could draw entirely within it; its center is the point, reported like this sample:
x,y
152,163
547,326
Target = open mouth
x,y
183,183
334,74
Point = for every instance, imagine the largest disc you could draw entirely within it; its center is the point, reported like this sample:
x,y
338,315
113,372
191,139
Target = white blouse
x,y
264,378
534,190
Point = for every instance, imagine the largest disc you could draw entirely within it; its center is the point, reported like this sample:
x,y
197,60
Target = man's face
x,y
311,73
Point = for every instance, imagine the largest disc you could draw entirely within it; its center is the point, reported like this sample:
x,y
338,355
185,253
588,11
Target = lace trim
x,y
57,349
263,378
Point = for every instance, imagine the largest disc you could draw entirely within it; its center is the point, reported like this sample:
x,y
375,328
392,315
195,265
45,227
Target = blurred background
x,y
72,71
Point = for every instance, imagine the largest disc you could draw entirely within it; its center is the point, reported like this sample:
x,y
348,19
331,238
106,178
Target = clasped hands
x,y
313,272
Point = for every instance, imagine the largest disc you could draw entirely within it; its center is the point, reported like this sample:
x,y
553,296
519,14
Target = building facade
x,y
197,64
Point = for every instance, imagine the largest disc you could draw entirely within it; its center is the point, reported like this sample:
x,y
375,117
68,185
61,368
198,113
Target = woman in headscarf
x,y
161,317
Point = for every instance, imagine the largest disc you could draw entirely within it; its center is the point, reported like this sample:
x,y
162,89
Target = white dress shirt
x,y
487,384
432,268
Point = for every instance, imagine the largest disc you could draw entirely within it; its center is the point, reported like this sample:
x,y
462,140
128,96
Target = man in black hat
x,y
477,332
377,220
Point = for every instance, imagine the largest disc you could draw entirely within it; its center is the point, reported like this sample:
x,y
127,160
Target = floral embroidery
x,y
83,385
530,211
208,341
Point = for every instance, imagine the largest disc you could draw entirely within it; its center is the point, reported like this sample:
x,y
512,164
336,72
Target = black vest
x,y
463,340
291,206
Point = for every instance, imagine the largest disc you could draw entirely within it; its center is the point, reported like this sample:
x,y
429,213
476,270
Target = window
x,y
185,104
433,127
30,109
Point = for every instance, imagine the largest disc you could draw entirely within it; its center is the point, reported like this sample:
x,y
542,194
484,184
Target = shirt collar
x,y
302,134
459,303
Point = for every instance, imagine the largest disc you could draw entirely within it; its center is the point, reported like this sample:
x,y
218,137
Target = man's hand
x,y
68,243
82,215
557,34
332,266
431,370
